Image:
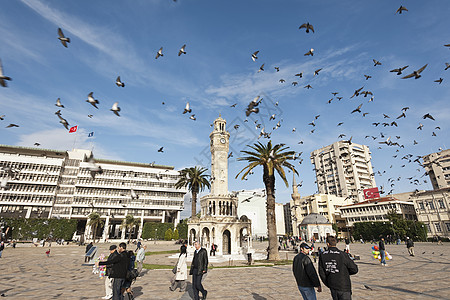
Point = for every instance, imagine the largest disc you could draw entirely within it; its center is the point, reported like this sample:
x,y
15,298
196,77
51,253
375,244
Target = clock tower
x,y
220,139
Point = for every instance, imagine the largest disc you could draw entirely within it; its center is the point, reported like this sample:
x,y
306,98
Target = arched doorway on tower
x,y
192,237
205,239
226,242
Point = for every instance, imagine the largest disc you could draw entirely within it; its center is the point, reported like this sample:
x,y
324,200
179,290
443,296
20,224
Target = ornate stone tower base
x,y
219,223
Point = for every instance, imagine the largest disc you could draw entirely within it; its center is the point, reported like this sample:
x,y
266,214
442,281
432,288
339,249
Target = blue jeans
x,y
383,256
308,292
117,288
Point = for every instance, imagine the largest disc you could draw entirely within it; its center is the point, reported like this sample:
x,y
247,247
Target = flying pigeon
x,y
119,83
307,26
64,122
187,109
428,116
376,63
358,109
2,117
277,68
182,50
254,55
261,68
308,87
400,9
161,150
367,77
159,53
3,77
300,75
316,72
64,40
193,118
310,52
91,100
399,70
90,116
416,74
447,65
439,80
93,168
58,103
115,109
356,93
12,125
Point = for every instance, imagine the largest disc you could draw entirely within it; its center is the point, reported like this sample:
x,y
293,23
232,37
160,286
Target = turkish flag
x,y
371,193
73,129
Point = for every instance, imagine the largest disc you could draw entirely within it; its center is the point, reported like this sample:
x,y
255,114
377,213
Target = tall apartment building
x,y
42,183
437,166
343,169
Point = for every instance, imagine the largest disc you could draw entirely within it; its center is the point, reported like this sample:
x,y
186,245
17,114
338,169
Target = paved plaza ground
x,y
26,273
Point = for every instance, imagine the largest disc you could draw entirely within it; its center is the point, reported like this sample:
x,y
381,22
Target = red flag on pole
x,y
73,129
371,193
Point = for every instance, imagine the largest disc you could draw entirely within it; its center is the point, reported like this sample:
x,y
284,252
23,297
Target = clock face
x,y
222,140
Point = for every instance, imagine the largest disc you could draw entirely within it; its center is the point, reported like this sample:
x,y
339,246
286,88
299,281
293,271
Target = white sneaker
x,y
106,297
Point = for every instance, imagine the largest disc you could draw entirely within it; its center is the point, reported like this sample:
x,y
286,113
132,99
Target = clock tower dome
x,y
220,139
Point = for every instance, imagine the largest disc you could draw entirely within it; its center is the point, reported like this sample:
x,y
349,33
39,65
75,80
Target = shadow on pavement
x,y
258,297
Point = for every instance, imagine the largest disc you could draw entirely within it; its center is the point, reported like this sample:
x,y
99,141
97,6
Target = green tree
x,y
168,234
271,158
128,223
196,181
175,234
182,229
94,221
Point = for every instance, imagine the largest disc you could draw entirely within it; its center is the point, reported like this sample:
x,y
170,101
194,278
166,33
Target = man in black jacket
x,y
118,271
410,246
305,274
109,280
199,267
335,268
382,249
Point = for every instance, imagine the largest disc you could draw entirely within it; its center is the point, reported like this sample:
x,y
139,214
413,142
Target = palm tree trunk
x,y
194,205
269,181
94,232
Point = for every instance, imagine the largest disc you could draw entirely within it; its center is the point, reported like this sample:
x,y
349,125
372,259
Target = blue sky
x,y
122,37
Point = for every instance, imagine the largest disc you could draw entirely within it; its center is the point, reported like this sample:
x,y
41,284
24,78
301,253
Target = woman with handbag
x,y
180,271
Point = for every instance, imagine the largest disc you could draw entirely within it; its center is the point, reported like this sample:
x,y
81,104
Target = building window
x,y
430,204
438,227
448,226
441,203
428,227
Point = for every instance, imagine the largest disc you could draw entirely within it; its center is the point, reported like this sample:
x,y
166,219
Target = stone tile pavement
x,y
26,273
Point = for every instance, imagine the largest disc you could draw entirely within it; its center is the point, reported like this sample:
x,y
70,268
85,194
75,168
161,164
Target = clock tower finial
x,y
220,139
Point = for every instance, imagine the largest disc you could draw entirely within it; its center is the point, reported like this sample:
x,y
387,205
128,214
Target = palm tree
x,y
195,181
128,223
94,221
270,158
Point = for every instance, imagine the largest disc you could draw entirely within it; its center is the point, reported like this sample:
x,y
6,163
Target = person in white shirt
x,y
140,256
181,275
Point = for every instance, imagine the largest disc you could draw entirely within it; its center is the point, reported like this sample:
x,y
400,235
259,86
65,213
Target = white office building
x,y
42,183
343,169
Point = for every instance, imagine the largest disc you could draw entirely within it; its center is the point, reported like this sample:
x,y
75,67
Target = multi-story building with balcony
x,y
437,166
433,209
42,183
343,169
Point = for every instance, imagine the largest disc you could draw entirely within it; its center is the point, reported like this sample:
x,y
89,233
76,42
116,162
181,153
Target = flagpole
x,y
75,139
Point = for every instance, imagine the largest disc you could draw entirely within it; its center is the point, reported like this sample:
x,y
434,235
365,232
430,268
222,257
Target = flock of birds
x,y
253,106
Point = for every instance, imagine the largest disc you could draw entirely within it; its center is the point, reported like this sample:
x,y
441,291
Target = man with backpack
x,y
410,246
305,274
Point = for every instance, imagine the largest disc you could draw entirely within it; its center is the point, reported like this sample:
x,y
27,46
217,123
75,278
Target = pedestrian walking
x,y
410,246
48,253
181,272
213,250
335,268
382,249
109,280
305,274
138,246
347,245
199,267
2,247
119,267
88,247
140,256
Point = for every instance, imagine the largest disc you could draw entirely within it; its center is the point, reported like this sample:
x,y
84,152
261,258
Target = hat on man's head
x,y
305,246
112,247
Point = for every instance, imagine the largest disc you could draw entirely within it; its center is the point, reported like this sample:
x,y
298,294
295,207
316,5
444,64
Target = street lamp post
x,y
156,230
